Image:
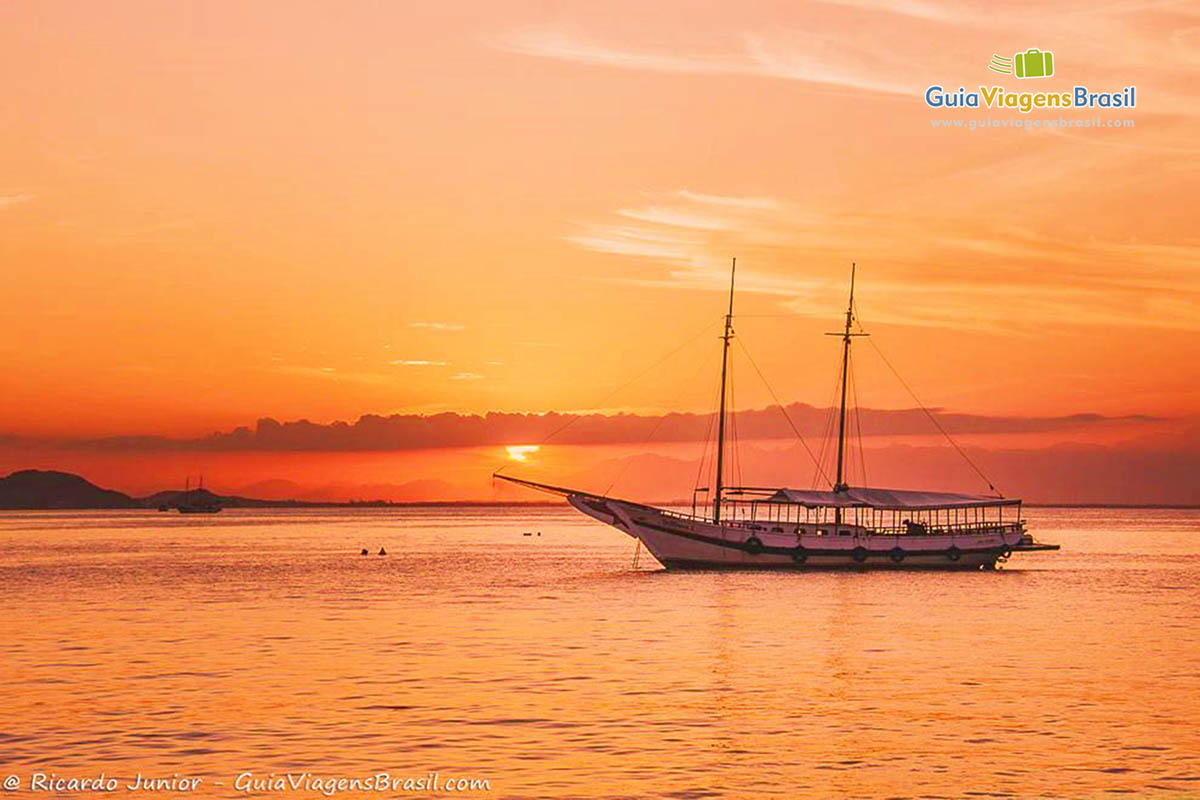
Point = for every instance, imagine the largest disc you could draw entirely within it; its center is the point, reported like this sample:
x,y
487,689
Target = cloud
x,y
437,326
745,203
634,240
466,376
832,61
416,362
933,12
896,49
563,45
10,200
675,217
421,431
794,55
689,236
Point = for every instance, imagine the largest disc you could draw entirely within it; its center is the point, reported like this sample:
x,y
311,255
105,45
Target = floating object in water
x,y
539,533
842,527
527,533
365,552
198,500
382,552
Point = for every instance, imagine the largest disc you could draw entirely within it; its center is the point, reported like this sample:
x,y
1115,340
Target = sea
x,y
532,653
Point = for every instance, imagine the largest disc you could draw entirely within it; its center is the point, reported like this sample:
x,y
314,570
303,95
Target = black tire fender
x,y
860,554
954,554
799,554
754,545
897,554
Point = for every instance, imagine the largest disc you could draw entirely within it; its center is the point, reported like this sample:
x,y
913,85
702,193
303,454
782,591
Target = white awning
x,y
863,497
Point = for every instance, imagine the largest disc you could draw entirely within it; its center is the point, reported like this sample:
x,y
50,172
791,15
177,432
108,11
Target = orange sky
x,y
213,212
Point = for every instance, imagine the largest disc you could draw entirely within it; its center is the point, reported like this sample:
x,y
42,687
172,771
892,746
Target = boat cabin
x,y
880,511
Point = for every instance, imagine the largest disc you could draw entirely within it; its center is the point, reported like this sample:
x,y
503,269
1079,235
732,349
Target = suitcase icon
x,y
1034,63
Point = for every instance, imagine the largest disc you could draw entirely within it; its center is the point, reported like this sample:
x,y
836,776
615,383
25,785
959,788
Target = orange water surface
x,y
262,642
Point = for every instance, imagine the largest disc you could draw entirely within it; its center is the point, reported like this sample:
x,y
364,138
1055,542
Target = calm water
x,y
262,642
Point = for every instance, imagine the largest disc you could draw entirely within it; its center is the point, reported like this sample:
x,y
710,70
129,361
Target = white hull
x,y
677,541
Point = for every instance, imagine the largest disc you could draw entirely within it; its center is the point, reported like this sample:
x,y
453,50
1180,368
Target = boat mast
x,y
721,415
839,484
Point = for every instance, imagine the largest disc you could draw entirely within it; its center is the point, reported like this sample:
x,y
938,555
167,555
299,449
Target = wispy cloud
x,y
675,217
408,431
934,12
9,200
466,376
832,61
633,240
726,201
566,46
798,55
1096,282
438,326
416,362
898,48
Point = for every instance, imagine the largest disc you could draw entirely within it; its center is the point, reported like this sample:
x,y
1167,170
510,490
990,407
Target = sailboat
x,y
198,500
842,527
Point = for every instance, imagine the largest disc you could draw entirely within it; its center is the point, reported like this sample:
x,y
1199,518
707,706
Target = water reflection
x,y
265,642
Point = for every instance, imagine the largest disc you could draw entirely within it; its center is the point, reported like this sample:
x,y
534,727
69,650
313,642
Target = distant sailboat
x,y
842,527
198,500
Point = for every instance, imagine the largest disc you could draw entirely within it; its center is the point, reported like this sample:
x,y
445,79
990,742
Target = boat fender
x,y
954,554
1006,553
860,554
799,555
754,545
897,555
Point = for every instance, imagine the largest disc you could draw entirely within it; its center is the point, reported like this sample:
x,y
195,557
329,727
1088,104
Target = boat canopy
x,y
889,499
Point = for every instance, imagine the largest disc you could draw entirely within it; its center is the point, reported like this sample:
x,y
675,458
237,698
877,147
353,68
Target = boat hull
x,y
680,542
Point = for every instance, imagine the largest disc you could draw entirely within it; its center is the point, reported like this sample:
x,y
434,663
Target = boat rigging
x,y
844,527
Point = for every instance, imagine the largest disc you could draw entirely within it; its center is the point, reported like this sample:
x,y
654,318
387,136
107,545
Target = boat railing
x,y
945,530
773,526
689,517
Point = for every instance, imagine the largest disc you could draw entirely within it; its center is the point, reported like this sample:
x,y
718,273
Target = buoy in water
x,y
382,552
365,552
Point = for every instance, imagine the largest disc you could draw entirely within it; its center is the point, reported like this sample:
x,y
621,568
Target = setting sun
x,y
521,452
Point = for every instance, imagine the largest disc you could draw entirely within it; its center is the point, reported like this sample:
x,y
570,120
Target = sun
x,y
521,452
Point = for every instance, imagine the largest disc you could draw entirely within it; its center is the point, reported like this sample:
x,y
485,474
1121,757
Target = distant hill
x,y
33,489
173,498
45,489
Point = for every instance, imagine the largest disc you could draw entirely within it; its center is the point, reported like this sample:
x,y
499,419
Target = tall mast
x,y
721,417
840,484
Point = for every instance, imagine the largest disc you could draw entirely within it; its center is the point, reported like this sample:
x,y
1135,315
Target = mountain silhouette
x,y
173,498
33,489
48,489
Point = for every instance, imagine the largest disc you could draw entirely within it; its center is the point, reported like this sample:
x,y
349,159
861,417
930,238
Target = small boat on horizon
x,y
842,527
198,500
